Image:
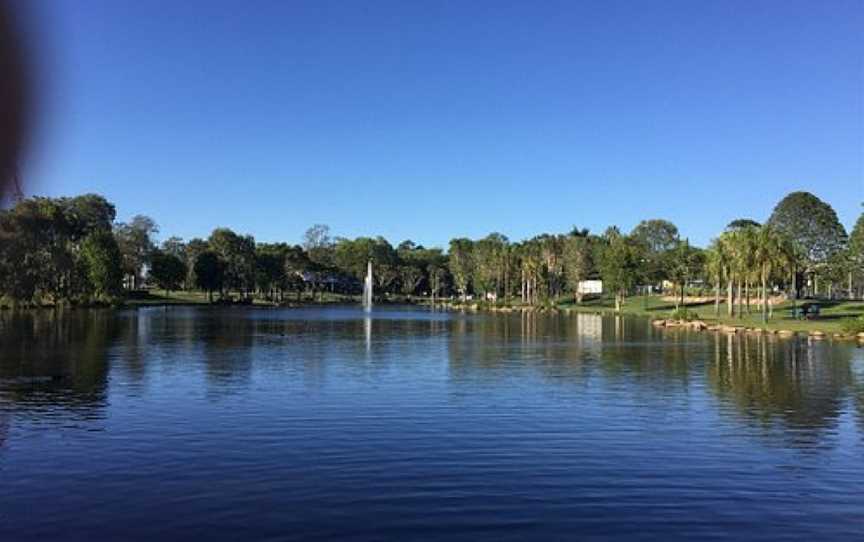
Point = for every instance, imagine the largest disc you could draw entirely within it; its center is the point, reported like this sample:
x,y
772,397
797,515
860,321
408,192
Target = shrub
x,y
853,325
683,314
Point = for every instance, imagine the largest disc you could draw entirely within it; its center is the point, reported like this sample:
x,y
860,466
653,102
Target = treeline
x,y
71,251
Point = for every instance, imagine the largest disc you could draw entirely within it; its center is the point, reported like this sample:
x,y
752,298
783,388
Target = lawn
x,y
832,315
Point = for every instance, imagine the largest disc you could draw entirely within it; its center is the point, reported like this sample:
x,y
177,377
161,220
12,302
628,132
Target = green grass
x,y
830,320
159,297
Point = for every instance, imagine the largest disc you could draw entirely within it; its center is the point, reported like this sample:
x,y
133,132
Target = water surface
x,y
323,424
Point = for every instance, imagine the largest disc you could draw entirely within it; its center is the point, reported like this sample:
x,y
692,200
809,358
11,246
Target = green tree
x,y
238,254
717,269
812,226
461,264
87,214
190,254
741,223
319,245
410,276
684,263
167,270
489,260
856,255
135,240
742,249
295,264
270,268
578,258
656,238
175,245
619,267
102,260
209,272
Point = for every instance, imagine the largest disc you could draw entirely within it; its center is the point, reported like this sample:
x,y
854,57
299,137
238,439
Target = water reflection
x,y
53,360
791,389
313,421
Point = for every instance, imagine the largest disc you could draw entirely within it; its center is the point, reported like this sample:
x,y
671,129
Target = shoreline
x,y
654,308
660,315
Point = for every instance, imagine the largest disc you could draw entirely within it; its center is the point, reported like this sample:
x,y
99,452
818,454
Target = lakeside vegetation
x,y
72,252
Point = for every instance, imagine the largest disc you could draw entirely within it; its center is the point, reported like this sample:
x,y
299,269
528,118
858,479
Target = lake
x,y
409,424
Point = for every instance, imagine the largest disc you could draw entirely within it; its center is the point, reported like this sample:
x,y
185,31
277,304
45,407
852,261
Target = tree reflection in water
x,y
795,390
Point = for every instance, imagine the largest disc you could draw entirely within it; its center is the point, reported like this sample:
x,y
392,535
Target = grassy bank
x,y
832,316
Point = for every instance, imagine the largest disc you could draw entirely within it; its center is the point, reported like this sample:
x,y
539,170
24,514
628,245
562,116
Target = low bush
x,y
853,325
682,313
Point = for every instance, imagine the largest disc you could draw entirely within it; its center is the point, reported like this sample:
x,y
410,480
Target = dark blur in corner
x,y
15,98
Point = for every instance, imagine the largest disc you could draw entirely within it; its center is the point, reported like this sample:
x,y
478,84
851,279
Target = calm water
x,y
256,424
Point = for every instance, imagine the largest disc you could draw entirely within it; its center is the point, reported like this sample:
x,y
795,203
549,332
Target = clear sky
x,y
429,120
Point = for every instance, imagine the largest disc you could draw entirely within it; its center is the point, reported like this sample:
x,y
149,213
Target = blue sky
x,y
429,120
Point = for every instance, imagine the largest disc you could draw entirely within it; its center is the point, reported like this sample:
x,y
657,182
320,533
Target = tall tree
x,y
319,245
238,254
769,255
209,272
167,270
489,259
578,262
716,269
88,213
135,240
813,227
684,263
174,245
619,267
656,238
856,255
657,234
461,264
190,254
102,261
741,223
296,264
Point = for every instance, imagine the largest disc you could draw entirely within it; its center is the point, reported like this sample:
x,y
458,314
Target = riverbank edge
x,y
815,329
812,328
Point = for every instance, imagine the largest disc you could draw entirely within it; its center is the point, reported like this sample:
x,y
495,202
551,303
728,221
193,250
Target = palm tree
x,y
768,256
742,247
726,255
717,266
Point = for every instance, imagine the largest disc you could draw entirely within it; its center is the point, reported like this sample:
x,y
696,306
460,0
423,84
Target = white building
x,y
589,287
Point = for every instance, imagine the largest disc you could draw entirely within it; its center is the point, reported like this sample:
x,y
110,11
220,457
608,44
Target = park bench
x,y
809,311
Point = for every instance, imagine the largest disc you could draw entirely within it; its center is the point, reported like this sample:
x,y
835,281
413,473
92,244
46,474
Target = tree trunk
x,y
764,298
740,299
730,301
717,299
